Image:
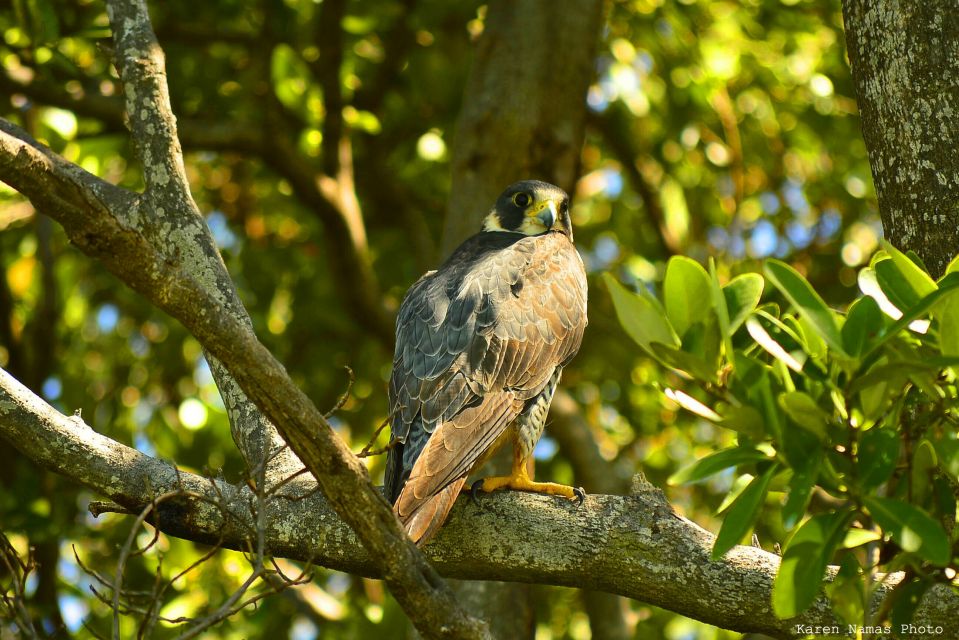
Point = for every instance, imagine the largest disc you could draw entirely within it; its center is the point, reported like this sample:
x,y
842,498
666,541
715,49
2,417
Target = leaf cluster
x,y
848,420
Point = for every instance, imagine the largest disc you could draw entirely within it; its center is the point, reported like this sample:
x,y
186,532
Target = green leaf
x,y
863,324
804,563
742,513
742,419
947,312
739,485
800,489
894,284
685,290
877,457
705,467
641,316
906,598
924,463
952,267
847,590
742,294
755,381
858,537
805,412
813,343
802,296
683,361
912,529
948,453
919,281
868,281
722,313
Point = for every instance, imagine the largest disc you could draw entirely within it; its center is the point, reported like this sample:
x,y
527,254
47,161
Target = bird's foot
x,y
519,483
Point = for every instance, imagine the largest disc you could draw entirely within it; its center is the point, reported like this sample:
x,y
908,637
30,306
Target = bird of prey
x,y
480,346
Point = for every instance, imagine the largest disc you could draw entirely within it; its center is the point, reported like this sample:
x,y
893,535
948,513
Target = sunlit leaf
x,y
946,286
858,537
722,313
947,312
766,341
802,296
952,267
690,403
683,361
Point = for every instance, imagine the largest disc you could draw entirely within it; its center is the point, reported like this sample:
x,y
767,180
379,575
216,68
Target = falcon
x,y
480,346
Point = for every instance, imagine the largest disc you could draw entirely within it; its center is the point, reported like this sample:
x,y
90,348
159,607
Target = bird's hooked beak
x,y
546,212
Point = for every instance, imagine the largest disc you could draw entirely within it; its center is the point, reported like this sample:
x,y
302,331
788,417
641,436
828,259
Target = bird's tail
x,y
423,520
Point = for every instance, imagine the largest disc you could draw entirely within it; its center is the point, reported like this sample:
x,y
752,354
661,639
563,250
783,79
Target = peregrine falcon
x,y
480,346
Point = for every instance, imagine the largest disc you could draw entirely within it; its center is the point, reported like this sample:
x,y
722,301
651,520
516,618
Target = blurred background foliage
x,y
716,129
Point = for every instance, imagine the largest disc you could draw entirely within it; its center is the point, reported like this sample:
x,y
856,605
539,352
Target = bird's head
x,y
532,208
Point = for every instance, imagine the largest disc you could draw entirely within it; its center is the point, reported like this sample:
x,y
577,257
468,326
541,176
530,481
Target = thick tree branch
x,y
116,239
633,545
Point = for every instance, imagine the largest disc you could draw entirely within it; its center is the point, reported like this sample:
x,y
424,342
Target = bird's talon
x,y
579,495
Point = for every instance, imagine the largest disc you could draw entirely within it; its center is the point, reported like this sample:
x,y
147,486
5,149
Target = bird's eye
x,y
522,199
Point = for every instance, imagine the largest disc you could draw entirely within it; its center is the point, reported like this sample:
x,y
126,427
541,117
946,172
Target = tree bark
x,y
905,62
524,108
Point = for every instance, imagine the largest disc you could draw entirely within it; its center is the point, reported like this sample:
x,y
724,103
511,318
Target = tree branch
x,y
631,545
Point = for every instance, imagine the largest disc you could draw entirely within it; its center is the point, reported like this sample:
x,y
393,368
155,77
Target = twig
x,y
345,396
368,450
14,605
98,507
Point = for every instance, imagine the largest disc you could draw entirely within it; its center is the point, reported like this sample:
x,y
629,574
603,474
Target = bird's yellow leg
x,y
519,480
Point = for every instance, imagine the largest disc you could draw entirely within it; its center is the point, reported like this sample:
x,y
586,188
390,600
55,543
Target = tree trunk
x,y
524,110
905,62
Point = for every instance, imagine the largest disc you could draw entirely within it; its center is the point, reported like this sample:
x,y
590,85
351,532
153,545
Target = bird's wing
x,y
475,341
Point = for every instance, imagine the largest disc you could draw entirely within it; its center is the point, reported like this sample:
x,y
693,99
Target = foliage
x,y
845,423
